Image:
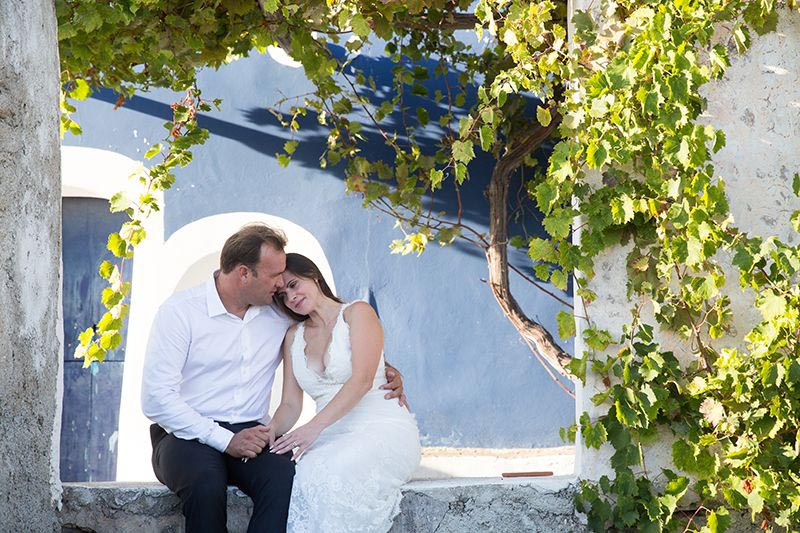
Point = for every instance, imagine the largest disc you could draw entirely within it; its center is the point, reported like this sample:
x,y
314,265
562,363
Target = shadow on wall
x,y
260,131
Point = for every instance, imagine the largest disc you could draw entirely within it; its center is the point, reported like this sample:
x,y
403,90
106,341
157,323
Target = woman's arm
x,y
292,395
366,340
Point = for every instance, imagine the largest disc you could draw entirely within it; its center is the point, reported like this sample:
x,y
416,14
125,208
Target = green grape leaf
x,y
566,325
463,152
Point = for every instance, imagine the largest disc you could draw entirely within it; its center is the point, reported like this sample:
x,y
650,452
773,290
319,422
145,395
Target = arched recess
x,y
187,259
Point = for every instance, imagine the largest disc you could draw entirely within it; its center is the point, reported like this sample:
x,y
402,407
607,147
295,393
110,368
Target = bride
x,y
355,454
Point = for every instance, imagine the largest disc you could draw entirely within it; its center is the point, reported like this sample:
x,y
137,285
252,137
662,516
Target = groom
x,y
207,380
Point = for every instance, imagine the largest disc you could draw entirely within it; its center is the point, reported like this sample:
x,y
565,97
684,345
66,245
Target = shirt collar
x,y
215,305
213,301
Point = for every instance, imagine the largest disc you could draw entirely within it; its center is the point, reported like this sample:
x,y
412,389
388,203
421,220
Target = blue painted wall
x,y
470,378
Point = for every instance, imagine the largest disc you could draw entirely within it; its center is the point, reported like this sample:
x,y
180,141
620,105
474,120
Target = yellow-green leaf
x,y
153,151
86,336
543,116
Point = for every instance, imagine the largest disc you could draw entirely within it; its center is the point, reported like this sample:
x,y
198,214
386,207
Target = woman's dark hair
x,y
303,267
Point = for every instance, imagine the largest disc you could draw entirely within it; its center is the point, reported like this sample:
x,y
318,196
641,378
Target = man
x,y
207,379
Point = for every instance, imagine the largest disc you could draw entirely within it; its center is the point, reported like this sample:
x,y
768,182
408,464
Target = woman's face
x,y
299,294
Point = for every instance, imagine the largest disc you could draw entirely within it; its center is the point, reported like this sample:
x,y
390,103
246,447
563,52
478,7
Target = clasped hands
x,y
298,440
250,442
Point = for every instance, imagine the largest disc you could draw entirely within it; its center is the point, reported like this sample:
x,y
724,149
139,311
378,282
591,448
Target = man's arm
x,y
167,350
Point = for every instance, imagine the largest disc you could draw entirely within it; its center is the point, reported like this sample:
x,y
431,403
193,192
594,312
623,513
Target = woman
x,y
355,454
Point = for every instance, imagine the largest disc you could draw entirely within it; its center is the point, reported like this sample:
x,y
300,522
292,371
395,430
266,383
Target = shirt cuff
x,y
219,438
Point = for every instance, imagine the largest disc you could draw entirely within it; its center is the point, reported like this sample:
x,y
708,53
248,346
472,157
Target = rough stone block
x,y
455,505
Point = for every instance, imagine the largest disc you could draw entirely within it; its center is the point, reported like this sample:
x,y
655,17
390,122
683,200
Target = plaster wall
x,y
471,380
757,105
30,261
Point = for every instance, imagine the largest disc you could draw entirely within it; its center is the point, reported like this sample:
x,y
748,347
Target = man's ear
x,y
243,272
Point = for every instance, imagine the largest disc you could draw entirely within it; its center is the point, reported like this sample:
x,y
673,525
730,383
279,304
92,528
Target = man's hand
x,y
249,442
395,385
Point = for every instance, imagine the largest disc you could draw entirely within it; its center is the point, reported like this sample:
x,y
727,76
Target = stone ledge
x,y
455,505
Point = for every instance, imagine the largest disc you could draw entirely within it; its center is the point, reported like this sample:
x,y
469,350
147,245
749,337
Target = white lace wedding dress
x,y
349,479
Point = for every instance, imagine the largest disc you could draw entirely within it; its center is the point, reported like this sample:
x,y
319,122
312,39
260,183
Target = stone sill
x,y
452,505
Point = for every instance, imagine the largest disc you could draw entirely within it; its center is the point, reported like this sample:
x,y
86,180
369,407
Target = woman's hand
x,y
298,440
271,436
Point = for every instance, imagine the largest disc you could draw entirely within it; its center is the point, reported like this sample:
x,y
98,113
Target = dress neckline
x,y
327,352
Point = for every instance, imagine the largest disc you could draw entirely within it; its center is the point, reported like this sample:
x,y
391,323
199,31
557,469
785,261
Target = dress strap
x,y
346,305
299,336
340,318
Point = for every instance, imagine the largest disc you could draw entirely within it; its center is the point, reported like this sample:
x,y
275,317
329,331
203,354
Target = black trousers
x,y
200,475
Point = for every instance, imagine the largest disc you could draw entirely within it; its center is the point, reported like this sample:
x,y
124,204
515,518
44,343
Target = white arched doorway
x,y
186,259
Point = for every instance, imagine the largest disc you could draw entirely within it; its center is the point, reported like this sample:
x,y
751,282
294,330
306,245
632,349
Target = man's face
x,y
260,288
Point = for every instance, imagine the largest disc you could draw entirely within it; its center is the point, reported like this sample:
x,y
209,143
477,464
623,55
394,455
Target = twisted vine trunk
x,y
497,252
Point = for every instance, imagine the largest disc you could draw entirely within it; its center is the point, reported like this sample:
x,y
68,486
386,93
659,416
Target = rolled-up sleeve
x,y
167,351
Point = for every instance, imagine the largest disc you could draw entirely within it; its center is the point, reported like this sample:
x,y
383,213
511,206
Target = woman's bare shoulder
x,y
360,313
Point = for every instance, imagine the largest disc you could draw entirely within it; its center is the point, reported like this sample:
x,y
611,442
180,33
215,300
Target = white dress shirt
x,y
204,364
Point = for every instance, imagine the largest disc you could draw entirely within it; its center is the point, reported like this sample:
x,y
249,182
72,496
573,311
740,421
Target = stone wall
x,y
30,262
456,505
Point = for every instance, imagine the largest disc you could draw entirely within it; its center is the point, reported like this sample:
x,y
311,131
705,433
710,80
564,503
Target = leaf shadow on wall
x,y
260,131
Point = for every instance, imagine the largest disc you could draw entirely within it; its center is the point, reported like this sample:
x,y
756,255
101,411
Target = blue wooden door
x,y
90,417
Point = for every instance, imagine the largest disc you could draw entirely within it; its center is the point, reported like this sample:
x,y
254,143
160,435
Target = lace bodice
x,y
322,387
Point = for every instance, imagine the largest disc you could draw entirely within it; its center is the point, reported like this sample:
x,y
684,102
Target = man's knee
x,y
271,480
204,490
286,468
